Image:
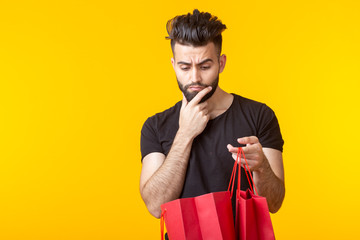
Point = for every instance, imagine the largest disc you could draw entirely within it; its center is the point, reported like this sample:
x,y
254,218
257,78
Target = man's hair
x,y
196,29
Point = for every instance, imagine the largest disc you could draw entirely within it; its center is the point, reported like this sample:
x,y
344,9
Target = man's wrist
x,y
264,167
184,135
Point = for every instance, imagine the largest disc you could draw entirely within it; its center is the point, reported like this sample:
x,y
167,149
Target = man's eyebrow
x,y
183,63
205,61
200,63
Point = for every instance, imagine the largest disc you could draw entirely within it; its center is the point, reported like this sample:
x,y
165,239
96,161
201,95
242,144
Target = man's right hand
x,y
194,115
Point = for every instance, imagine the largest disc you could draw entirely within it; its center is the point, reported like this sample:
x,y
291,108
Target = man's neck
x,y
219,102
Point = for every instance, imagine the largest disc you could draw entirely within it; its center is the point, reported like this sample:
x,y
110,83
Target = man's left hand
x,y
254,154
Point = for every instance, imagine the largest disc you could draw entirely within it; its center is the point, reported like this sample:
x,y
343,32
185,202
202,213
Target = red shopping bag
x,y
206,217
252,221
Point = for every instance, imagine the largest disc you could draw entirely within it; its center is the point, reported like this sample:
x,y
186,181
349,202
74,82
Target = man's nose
x,y
196,75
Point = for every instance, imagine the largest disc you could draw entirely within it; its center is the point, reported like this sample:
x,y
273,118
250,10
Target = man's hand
x,y
255,156
194,115
267,167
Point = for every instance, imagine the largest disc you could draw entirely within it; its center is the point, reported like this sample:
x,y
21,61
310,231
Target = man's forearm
x,y
270,186
167,182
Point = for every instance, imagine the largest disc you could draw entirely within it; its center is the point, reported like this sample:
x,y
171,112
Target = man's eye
x,y
185,68
205,67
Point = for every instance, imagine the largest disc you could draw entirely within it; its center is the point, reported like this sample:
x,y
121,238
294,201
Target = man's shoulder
x,y
255,110
175,109
166,115
249,104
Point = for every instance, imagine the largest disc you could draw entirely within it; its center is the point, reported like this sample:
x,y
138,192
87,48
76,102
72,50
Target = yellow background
x,y
79,78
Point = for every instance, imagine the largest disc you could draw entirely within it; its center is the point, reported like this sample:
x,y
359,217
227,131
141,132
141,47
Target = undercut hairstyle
x,y
196,29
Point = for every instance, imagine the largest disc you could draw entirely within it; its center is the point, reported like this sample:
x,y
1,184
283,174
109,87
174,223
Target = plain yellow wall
x,y
79,78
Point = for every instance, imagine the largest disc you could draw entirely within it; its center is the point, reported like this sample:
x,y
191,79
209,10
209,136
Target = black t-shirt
x,y
210,164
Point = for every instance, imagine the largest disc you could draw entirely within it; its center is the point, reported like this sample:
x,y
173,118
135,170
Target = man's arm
x,y
162,178
268,170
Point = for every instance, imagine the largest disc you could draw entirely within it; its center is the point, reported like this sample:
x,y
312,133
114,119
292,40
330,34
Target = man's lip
x,y
196,88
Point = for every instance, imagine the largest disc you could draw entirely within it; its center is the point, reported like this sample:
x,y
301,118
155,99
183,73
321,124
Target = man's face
x,y
197,68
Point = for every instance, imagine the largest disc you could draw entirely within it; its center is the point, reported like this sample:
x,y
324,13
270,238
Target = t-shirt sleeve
x,y
269,130
149,140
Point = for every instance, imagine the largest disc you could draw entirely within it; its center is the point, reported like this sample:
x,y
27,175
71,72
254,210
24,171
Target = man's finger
x,y
184,102
200,95
248,140
252,149
202,105
205,111
232,149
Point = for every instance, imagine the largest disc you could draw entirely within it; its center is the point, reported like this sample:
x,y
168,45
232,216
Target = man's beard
x,y
190,95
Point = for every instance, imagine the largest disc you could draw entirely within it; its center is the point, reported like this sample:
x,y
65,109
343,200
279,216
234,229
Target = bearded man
x,y
189,149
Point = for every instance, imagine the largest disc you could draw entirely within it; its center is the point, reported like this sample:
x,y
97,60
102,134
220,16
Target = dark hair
x,y
196,29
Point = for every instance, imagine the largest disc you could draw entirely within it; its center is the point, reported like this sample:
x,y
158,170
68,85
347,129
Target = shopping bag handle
x,y
162,224
247,172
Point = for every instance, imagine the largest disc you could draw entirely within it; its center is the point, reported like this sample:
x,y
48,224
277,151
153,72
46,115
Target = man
x,y
189,149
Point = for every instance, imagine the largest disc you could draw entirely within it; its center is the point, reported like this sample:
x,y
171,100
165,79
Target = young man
x,y
189,149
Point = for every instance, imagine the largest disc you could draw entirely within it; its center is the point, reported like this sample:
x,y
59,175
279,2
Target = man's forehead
x,y
195,53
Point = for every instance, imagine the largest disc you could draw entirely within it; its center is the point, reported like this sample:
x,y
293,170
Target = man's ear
x,y
222,63
173,62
